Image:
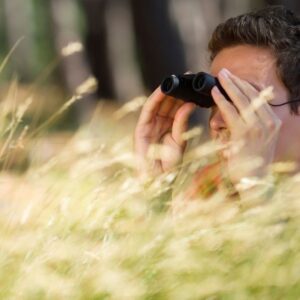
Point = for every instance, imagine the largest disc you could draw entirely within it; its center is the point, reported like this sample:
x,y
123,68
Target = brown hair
x,y
273,27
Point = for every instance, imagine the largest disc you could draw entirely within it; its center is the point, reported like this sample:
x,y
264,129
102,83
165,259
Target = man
x,y
248,54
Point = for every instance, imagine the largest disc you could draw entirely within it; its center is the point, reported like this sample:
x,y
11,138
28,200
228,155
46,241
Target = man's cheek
x,y
283,113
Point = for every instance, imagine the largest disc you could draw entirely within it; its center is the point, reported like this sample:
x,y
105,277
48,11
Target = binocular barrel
x,y
194,88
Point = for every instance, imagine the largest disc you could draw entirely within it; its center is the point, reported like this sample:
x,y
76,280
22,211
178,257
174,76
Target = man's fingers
x,y
227,110
258,103
167,107
151,106
247,89
240,99
180,124
175,108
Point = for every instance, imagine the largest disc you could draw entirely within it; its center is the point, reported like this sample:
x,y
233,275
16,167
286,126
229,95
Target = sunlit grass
x,y
77,223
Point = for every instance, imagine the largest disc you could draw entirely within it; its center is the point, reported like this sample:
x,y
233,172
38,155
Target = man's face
x,y
258,67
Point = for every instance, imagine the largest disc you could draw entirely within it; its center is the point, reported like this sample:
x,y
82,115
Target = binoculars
x,y
194,88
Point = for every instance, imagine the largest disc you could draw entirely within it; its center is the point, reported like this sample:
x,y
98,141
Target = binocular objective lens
x,y
167,85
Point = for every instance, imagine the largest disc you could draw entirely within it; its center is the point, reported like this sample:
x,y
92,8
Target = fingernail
x,y
216,90
225,73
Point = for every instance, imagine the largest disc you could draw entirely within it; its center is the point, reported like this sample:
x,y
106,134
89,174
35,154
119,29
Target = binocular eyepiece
x,y
194,88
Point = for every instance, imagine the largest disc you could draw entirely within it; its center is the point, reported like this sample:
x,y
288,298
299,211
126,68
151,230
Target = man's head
x,y
263,48
274,28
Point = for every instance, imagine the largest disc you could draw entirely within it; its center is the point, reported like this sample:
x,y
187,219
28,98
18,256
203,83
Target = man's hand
x,y
163,120
253,128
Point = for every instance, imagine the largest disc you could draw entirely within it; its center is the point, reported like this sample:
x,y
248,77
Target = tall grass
x,y
77,223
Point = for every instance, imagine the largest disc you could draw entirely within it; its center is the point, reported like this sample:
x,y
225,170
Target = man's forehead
x,y
250,63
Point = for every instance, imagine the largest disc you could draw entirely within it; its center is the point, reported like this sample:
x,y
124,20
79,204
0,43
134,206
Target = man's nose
x,y
216,122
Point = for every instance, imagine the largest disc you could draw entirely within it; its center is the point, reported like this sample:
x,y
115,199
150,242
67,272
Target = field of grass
x,y
77,223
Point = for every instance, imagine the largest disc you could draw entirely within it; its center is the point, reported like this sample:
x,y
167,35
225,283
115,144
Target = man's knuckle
x,y
271,125
274,125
